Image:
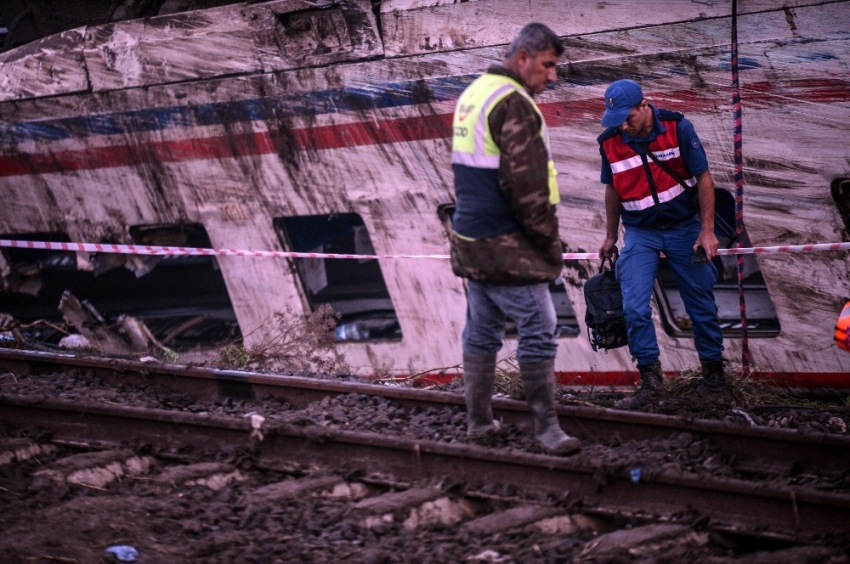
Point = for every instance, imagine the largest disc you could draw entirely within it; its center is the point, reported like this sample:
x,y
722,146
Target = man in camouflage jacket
x,y
524,247
505,232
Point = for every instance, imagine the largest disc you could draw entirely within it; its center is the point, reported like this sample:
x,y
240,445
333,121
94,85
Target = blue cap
x,y
620,98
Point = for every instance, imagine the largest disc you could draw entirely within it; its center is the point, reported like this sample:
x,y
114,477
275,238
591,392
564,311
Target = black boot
x,y
538,382
713,386
651,389
479,376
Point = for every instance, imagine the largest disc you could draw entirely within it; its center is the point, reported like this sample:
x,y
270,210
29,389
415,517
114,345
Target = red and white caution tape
x,y
785,249
191,251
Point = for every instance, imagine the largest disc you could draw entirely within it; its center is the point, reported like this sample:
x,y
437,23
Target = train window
x,y
761,314
762,320
841,194
182,300
566,315
354,289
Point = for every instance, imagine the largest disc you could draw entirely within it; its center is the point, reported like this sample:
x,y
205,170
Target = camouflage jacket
x,y
532,254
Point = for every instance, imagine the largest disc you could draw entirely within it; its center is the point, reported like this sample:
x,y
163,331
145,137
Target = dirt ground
x,y
214,507
168,518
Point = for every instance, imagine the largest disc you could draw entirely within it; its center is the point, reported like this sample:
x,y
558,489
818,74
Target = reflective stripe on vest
x,y
472,143
630,180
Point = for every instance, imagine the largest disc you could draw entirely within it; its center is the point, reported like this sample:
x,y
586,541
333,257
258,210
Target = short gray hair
x,y
535,38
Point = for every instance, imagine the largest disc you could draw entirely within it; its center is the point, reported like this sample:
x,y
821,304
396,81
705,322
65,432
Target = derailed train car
x,y
302,126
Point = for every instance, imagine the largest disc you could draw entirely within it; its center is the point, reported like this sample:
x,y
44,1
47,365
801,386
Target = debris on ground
x,y
126,336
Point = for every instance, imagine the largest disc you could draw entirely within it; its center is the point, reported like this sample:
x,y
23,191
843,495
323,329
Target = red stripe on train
x,y
373,132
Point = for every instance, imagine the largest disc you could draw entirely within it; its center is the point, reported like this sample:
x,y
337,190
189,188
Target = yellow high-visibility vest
x,y
472,143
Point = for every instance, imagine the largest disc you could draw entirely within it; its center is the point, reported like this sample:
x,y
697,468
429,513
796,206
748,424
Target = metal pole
x,y
739,190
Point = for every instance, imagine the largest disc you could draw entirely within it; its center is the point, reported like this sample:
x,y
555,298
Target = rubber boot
x,y
713,386
650,390
479,376
538,381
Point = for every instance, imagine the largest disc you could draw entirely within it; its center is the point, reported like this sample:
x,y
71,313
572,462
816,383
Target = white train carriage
x,y
302,126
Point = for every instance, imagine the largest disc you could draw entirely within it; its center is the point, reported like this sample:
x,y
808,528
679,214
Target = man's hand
x,y
608,248
708,241
612,222
706,238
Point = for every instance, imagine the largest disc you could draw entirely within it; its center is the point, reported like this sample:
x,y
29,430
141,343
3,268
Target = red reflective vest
x,y
629,171
842,328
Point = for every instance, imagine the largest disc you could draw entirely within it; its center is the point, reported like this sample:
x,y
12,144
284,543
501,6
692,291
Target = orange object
x,y
842,328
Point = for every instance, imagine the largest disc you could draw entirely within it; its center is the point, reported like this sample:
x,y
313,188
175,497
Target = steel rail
x,y
752,446
799,513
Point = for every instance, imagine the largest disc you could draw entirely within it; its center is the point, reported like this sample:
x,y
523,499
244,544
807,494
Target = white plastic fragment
x,y
123,552
486,556
257,424
745,415
74,341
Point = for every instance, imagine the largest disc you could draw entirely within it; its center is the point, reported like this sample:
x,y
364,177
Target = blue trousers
x,y
637,269
530,306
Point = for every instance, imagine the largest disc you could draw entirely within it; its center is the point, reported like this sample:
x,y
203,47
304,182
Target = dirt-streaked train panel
x,y
291,126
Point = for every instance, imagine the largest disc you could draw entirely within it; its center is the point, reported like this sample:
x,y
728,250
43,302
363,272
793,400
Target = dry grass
x,y
683,383
508,381
750,391
294,344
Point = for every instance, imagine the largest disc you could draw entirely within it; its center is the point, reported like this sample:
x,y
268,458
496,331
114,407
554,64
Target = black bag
x,y
606,326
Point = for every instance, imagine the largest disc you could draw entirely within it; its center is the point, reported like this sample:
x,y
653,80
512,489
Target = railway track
x,y
749,445
773,483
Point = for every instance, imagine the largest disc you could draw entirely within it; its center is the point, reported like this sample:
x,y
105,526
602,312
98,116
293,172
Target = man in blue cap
x,y
657,181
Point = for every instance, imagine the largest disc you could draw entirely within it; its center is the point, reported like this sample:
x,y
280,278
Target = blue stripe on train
x,y
350,98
